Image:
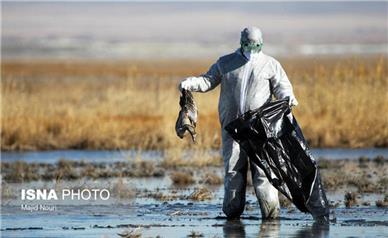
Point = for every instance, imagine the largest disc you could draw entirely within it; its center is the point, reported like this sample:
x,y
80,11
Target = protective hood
x,y
251,40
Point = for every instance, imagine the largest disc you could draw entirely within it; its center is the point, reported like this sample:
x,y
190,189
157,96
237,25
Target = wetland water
x,y
120,155
139,210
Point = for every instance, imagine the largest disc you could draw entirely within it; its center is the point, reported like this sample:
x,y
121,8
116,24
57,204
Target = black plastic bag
x,y
273,140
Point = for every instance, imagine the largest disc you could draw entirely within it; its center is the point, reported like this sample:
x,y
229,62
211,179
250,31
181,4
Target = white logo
x,y
71,194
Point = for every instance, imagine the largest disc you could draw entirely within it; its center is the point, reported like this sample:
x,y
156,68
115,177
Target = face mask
x,y
247,54
251,47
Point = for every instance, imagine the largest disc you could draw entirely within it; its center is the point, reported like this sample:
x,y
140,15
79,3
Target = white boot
x,y
267,195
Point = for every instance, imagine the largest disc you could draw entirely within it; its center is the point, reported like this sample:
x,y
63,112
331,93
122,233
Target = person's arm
x,y
203,83
281,86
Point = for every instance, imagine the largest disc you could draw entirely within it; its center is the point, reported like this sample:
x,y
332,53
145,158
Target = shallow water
x,y
78,155
122,155
177,218
155,219
143,213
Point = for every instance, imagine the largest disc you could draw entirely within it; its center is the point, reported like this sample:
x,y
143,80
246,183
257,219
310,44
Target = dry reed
x,y
133,105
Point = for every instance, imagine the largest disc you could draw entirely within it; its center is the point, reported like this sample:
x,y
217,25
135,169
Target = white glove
x,y
293,102
186,84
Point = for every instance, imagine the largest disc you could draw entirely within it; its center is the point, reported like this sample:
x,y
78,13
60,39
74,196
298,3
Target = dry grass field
x,y
124,105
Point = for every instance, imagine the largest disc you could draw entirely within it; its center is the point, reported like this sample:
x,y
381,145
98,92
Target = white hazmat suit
x,y
248,80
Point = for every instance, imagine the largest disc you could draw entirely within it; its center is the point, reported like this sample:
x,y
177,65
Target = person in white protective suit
x,y
248,78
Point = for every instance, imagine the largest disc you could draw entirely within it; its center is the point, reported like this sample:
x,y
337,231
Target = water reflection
x,y
316,230
269,229
236,229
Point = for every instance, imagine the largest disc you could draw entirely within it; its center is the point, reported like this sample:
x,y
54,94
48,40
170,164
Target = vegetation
x,y
133,105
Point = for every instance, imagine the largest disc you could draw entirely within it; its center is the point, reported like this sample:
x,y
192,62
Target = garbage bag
x,y
272,139
187,117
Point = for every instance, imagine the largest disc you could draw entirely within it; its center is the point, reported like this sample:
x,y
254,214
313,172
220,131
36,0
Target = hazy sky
x,y
212,24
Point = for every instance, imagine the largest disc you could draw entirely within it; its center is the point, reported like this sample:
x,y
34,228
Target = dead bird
x,y
187,117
